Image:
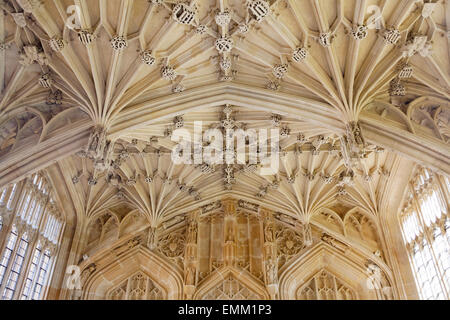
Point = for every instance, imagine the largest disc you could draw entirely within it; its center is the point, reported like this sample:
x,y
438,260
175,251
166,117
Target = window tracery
x,y
425,224
30,232
231,289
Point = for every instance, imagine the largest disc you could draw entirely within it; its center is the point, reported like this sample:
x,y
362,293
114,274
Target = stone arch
x,y
229,283
138,259
324,257
361,227
329,218
134,221
324,285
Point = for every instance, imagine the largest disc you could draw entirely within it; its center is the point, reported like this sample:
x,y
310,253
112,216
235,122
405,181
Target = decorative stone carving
x,y
178,122
275,120
45,80
243,28
178,88
99,149
183,13
273,85
147,57
405,70
396,88
231,289
307,235
173,246
54,98
4,46
119,43
57,44
325,286
211,207
225,63
334,243
86,273
325,39
248,205
285,132
201,29
137,287
378,281
280,70
359,32
352,145
346,178
289,243
258,9
262,192
225,77
229,177
299,54
168,73
224,44
92,181
86,37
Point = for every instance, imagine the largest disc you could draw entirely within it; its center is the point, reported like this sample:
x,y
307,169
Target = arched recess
x,y
230,283
138,259
361,227
323,257
324,285
139,286
102,231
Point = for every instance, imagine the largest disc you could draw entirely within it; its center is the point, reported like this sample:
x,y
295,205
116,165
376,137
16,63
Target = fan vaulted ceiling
x,y
310,67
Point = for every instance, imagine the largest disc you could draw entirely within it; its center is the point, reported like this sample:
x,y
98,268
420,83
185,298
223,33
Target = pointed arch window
x,y
425,224
30,232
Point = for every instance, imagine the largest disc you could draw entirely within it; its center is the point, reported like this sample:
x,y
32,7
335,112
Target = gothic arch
x,y
135,260
362,227
349,272
139,286
134,221
255,288
324,285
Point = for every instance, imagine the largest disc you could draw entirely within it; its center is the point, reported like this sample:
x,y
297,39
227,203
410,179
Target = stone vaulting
x,y
93,206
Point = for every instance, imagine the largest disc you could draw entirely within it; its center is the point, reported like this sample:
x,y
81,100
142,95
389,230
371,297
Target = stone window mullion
x,y
426,233
20,233
36,273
